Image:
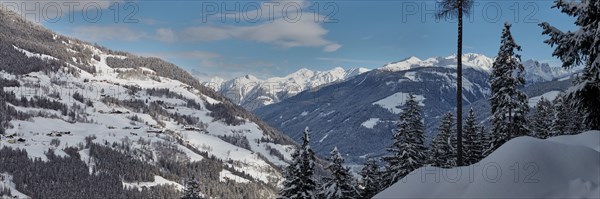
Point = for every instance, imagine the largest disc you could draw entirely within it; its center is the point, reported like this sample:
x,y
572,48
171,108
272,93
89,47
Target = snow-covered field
x,y
393,103
525,167
370,123
158,180
547,96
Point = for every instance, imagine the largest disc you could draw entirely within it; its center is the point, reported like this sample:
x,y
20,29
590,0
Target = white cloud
x,y
303,33
332,47
165,35
271,28
97,33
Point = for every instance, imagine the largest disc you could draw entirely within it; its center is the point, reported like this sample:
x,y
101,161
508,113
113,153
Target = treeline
x,y
68,177
220,112
129,168
237,140
165,92
16,62
155,109
172,163
74,113
26,35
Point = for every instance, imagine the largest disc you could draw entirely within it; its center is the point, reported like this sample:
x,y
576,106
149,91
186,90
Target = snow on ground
x,y
6,182
30,54
394,103
325,136
525,167
158,180
548,96
412,76
118,127
224,174
370,123
304,113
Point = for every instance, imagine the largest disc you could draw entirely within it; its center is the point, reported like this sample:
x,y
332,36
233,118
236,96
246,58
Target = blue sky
x,y
198,37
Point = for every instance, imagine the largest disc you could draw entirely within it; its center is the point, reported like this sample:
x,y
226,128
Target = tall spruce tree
x,y
192,189
340,185
408,151
371,178
443,148
542,119
581,47
473,139
457,8
509,104
299,181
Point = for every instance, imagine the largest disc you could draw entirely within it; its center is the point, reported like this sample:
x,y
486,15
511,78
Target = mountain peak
x,y
250,77
404,64
304,72
274,89
472,60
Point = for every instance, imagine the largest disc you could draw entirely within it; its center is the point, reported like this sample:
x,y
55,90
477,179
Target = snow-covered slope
x,y
252,92
525,167
60,93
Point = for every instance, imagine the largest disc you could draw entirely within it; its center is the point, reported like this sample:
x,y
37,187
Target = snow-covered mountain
x,y
98,123
534,70
471,60
356,113
543,72
525,167
252,92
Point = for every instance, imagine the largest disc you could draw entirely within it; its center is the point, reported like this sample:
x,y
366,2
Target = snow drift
x,y
525,167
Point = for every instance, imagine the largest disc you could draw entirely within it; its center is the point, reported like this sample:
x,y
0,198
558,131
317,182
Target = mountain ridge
x,y
252,92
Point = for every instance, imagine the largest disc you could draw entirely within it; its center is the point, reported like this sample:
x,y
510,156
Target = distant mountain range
x,y
252,92
358,114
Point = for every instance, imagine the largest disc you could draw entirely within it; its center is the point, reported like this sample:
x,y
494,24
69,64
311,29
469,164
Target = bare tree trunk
x,y
459,158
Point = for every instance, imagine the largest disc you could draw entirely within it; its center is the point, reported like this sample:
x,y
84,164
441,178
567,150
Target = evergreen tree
x,y
408,151
566,119
486,140
509,104
542,119
560,121
192,189
581,47
299,182
442,147
340,184
473,140
371,179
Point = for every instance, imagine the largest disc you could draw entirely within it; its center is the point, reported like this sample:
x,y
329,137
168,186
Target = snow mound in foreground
x,y
525,167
